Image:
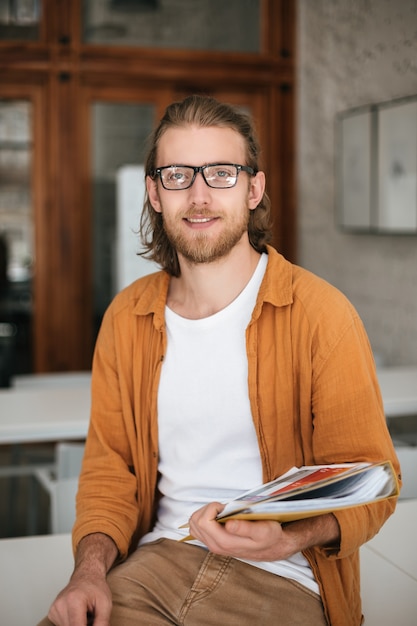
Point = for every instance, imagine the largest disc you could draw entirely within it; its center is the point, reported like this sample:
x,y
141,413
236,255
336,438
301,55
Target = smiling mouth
x,y
199,220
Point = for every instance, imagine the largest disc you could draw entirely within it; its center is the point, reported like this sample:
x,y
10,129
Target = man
x,y
220,372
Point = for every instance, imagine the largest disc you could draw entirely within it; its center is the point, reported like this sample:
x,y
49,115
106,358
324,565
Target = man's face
x,y
202,223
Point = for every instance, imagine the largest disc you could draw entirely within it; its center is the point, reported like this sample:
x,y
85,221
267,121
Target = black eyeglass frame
x,y
200,169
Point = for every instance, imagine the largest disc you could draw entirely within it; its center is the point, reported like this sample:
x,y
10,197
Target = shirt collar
x,y
276,288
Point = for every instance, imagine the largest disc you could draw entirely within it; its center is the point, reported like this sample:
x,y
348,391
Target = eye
x,y
222,174
175,176
224,171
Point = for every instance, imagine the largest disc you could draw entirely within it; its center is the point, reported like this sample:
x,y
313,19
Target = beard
x,y
201,247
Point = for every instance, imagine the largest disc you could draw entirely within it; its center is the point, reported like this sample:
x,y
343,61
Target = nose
x,y
199,190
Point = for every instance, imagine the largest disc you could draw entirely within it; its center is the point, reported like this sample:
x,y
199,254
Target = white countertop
x,y
32,570
397,542
388,573
399,390
62,413
47,414
389,570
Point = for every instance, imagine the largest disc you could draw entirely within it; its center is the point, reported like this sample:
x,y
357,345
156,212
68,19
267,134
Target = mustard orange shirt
x,y
314,398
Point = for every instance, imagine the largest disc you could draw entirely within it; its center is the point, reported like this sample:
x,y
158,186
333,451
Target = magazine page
x,y
318,488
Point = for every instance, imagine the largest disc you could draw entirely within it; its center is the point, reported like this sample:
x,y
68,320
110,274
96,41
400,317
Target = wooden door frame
x,y
57,72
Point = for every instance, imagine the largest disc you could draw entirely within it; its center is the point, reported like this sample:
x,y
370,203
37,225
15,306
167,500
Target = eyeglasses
x,y
216,175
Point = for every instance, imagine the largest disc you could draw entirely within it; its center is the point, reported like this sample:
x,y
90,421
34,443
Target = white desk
x,y
399,390
389,570
32,570
62,413
47,414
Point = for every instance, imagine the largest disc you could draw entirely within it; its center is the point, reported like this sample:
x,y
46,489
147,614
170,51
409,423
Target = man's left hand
x,y
261,540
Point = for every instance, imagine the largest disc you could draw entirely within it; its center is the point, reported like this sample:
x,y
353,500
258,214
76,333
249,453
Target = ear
x,y
256,190
152,189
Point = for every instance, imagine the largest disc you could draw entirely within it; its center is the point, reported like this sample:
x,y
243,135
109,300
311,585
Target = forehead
x,y
196,145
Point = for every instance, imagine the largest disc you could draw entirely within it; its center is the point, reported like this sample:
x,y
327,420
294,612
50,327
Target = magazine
x,y
314,490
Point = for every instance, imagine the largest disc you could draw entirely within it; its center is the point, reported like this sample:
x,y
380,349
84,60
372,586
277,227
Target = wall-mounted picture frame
x,y
376,174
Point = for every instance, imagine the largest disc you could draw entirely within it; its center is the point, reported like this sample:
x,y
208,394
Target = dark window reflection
x,y
232,26
16,239
19,19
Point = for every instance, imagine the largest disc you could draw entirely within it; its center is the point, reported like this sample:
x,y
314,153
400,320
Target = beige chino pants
x,y
167,582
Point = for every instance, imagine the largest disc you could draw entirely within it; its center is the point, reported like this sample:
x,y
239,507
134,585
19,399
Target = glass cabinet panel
x,y
119,135
20,19
16,238
191,24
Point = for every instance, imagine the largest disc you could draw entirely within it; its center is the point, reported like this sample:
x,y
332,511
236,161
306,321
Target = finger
x,y
257,531
243,528
101,616
206,514
209,511
77,615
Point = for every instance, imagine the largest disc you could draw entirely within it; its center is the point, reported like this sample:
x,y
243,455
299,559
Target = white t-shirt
x,y
208,448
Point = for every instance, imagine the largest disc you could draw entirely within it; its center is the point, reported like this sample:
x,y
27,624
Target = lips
x,y
199,220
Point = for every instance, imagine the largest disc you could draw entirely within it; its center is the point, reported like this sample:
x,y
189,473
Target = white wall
x,y
352,53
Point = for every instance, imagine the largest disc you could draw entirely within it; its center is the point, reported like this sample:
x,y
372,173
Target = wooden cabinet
x,y
66,78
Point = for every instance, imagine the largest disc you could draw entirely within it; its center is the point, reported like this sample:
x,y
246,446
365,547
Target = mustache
x,y
200,211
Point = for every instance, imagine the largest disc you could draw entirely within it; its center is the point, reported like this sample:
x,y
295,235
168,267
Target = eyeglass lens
x,y
219,176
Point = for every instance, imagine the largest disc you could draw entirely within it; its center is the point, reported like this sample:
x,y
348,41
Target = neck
x,y
204,289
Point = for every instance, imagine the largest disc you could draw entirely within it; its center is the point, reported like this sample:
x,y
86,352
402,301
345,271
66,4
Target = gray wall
x,y
352,53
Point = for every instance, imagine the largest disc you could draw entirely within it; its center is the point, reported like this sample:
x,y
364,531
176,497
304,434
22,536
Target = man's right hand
x,y
83,602
87,599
